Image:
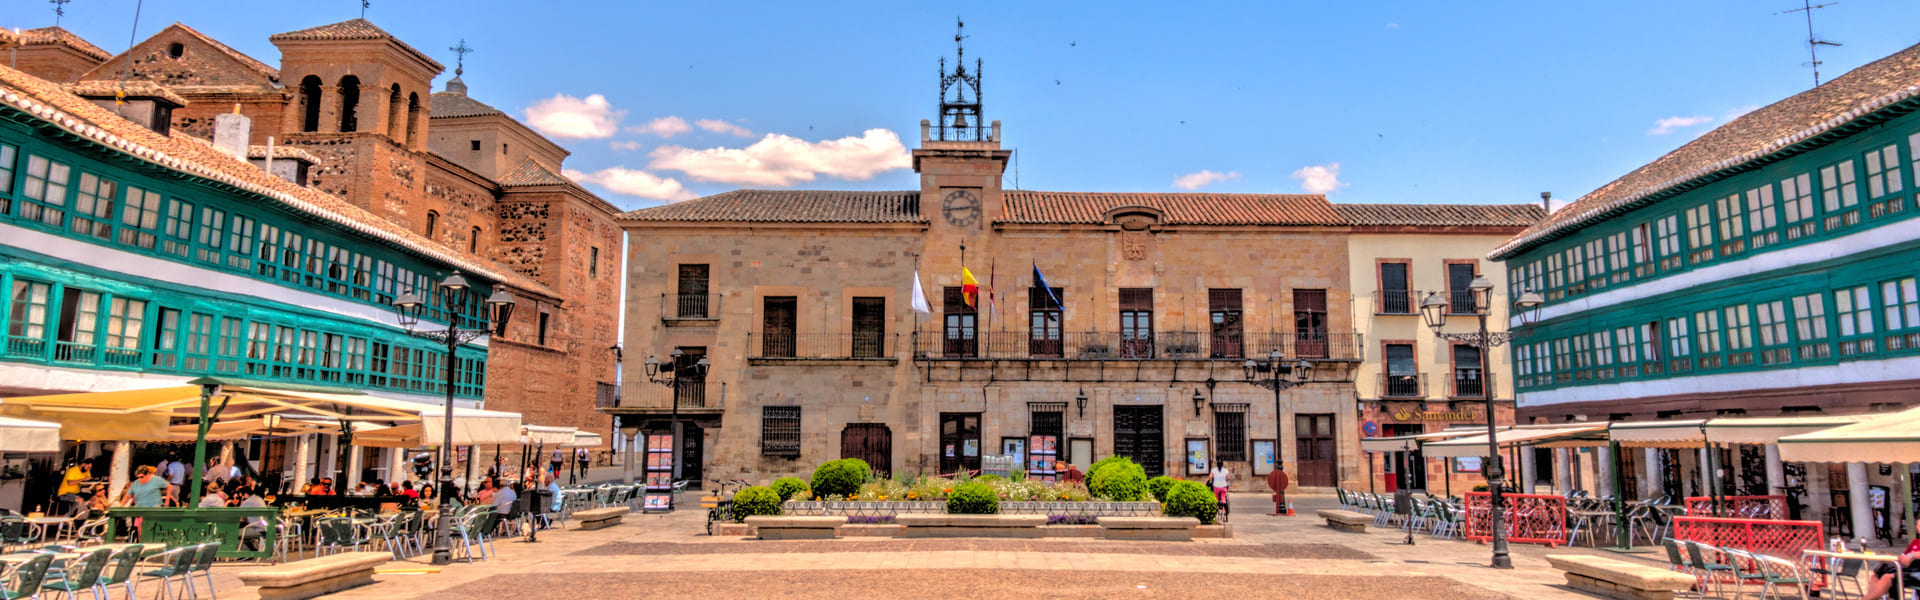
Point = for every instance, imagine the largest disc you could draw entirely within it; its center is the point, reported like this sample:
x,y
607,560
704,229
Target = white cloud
x,y
564,116
633,182
665,127
1320,179
1669,124
1194,181
778,160
719,126
627,146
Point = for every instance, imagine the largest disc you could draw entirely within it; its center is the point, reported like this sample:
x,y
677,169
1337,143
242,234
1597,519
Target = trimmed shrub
x,y
756,500
1158,486
1120,484
973,499
1107,462
1189,499
839,477
788,486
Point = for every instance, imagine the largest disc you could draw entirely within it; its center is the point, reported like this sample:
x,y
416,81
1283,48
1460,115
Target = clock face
x,y
961,208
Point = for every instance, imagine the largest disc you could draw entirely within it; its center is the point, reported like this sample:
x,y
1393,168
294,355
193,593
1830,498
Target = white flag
x,y
920,296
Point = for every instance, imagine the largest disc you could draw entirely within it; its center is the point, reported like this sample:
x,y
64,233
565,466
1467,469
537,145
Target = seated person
x,y
504,498
213,499
1881,585
256,529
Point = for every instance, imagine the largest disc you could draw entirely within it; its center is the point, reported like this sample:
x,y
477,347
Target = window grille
x,y
780,431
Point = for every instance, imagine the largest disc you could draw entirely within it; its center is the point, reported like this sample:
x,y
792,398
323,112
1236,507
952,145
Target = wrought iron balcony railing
x,y
1467,383
691,393
1396,302
1112,345
1402,386
689,306
606,395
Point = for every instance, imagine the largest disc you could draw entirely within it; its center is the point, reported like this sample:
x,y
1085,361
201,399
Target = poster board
x,y
1042,452
1264,457
1197,456
659,465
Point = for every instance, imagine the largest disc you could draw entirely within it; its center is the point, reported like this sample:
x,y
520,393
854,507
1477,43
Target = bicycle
x,y
720,505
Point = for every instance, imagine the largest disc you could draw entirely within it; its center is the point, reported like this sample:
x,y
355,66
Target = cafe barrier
x,y
1530,518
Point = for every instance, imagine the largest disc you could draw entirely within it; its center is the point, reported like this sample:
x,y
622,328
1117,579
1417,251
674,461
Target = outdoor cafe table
x,y
1899,578
1588,520
41,524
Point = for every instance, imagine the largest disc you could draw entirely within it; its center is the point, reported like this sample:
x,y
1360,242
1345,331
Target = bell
x,y
960,120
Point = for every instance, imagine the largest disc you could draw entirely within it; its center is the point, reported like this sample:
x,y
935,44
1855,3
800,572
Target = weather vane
x,y
460,64
59,10
363,7
959,34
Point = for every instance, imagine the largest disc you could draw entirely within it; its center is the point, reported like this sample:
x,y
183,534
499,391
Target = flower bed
x,y
1084,511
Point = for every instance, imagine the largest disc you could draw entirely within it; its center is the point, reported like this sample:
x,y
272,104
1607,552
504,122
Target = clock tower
x,y
960,165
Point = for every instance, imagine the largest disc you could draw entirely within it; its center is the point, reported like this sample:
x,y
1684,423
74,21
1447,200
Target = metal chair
x,y
81,574
1779,571
203,566
120,571
1705,569
175,563
26,577
1840,572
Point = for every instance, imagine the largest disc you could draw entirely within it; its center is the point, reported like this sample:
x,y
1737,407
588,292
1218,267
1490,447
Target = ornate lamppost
x,y
454,292
1281,376
669,375
1479,296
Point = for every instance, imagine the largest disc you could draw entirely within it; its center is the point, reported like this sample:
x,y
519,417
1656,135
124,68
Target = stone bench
x,y
769,527
599,518
1166,529
315,576
946,526
1619,579
1346,520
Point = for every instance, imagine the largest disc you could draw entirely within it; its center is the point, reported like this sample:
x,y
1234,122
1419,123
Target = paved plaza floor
x,y
669,556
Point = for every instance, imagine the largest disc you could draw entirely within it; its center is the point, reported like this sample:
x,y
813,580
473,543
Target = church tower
x,y
960,165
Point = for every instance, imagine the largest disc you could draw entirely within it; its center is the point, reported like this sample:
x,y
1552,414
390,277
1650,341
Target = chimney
x,y
1546,202
231,132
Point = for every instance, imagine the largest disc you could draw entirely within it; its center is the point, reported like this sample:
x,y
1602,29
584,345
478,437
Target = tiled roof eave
x,y
95,134
1896,103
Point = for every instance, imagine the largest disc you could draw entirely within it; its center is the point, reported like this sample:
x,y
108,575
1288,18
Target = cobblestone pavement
x,y
668,556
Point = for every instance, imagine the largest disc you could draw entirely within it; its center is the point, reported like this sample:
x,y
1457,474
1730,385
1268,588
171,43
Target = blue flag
x,y
1040,281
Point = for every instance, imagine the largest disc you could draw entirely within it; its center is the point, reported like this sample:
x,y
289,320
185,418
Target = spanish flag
x,y
970,288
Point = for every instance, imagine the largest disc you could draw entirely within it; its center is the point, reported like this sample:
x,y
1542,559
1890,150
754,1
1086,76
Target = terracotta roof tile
x,y
790,206
1179,209
530,172
1441,215
60,36
454,102
100,88
280,152
185,154
351,29
1757,135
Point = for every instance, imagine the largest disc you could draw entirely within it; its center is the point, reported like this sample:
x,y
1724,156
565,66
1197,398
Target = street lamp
x,y
1081,401
1281,377
1478,302
669,375
408,308
1199,403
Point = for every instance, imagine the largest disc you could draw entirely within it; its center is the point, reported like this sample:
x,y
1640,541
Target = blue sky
x,y
1420,102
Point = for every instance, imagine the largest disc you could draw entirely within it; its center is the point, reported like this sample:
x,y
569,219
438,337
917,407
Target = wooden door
x,y
1314,447
777,333
871,442
959,442
1138,434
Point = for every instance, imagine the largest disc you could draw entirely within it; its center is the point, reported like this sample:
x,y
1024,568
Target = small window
x,y
474,145
433,222
780,431
473,241
503,148
175,50
543,329
593,260
1230,432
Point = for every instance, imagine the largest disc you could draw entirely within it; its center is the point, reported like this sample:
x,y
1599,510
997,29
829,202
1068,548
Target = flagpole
x,y
992,306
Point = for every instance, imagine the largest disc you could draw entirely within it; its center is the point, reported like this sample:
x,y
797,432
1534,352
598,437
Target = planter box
x,y
1220,531
1071,531
883,530
795,528
857,508
1002,526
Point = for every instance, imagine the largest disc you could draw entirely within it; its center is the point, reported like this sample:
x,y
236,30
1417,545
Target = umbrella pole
x,y
200,445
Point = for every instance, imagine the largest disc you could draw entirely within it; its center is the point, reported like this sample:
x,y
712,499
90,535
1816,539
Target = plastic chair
x,y
1704,569
1678,561
120,571
1841,572
81,574
26,578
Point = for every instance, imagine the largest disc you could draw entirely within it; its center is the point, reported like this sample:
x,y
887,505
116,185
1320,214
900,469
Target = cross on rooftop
x,y
460,63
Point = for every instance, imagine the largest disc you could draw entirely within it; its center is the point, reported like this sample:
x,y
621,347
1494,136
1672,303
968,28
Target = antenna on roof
x,y
120,95
59,10
1813,43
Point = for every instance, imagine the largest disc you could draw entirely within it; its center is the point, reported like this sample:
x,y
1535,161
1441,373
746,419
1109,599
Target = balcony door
x,y
1224,316
1402,378
1136,322
778,329
869,327
960,333
691,297
1310,323
1043,316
